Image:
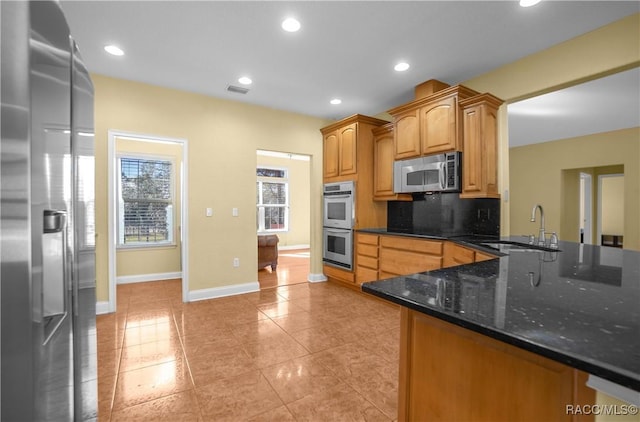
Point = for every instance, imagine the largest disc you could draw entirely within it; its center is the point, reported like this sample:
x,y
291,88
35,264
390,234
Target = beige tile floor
x,y
304,352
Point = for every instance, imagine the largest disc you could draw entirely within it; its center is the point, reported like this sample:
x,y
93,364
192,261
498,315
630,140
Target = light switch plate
x,y
234,212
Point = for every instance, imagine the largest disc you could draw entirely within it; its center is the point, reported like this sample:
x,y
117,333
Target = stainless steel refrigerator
x,y
47,239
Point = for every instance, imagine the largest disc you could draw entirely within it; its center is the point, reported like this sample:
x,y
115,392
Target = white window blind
x,y
272,190
146,201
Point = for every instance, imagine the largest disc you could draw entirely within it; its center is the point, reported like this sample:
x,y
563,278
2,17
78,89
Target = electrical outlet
x,y
236,262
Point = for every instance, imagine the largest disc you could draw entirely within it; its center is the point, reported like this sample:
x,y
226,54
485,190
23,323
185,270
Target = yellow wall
x,y
543,184
222,139
299,199
166,259
610,49
612,212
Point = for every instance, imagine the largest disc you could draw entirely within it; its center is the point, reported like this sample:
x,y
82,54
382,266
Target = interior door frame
x,y
112,210
587,203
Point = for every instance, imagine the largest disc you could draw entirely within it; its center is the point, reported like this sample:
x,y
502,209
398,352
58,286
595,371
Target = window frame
x,y
120,202
260,206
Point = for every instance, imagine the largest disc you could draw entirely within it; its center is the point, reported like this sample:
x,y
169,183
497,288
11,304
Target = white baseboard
x,y
316,278
215,292
127,279
291,247
102,308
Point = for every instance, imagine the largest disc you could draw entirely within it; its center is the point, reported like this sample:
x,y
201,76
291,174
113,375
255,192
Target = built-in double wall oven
x,y
338,222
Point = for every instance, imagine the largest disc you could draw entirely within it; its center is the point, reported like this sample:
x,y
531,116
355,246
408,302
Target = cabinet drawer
x,y
369,239
368,250
365,274
457,255
483,256
405,262
382,275
432,247
339,274
367,261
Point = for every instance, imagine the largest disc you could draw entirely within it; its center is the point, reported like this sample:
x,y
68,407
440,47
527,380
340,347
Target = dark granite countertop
x,y
579,306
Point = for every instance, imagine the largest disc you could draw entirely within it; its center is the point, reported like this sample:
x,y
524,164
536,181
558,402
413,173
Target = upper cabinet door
x,y
331,154
438,126
480,158
407,135
473,175
383,165
348,141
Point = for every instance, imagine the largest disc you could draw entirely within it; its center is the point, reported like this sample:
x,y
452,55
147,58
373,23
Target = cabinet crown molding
x,y
381,130
356,118
482,98
461,90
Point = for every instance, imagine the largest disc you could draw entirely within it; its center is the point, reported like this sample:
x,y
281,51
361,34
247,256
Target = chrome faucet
x,y
541,236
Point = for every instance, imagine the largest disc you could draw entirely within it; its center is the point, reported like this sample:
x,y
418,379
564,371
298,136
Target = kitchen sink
x,y
509,245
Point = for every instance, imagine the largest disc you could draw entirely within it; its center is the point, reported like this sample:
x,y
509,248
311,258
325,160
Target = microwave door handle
x,y
443,175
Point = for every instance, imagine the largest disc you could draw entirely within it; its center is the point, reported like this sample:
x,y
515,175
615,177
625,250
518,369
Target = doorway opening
x,y
147,212
611,210
592,209
283,218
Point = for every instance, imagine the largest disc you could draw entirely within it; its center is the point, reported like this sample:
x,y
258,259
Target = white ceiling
x,y
345,49
601,105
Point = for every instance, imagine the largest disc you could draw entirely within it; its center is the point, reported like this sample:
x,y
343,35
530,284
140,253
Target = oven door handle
x,y
337,196
339,231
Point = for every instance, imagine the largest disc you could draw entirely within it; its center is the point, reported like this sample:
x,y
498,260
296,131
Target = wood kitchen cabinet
x,y
348,148
340,152
480,144
439,126
407,135
451,373
367,257
430,125
344,276
481,256
455,254
400,255
381,256
385,256
348,156
383,158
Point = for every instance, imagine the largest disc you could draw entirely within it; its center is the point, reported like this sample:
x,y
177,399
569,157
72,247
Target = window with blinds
x,y
272,190
145,202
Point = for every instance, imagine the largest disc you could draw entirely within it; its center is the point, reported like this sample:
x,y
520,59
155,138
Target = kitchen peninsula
x,y
516,337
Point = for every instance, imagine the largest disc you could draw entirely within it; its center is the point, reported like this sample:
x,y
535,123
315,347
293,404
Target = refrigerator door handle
x,y
54,270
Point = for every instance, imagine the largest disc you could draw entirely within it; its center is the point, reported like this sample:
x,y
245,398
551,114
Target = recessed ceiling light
x,y
291,25
114,50
528,3
245,81
401,67
336,101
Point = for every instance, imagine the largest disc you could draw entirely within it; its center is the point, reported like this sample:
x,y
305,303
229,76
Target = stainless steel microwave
x,y
432,173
